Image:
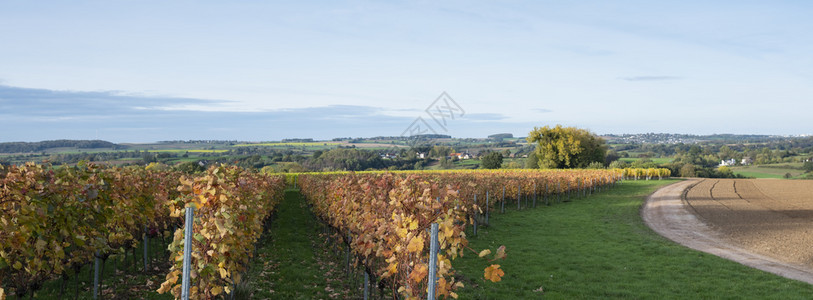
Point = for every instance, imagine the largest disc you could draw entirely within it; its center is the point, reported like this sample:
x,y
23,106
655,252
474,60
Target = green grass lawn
x,y
766,171
294,261
598,247
466,164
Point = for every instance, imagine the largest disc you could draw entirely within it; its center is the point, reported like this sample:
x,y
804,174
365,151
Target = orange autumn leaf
x,y
494,273
419,273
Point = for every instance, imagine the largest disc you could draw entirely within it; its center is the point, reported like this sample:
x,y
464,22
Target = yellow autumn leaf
x,y
494,273
413,225
442,288
18,265
172,277
416,244
164,287
484,252
217,290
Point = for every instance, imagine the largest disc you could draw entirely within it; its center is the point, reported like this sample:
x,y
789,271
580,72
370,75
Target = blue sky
x,y
140,71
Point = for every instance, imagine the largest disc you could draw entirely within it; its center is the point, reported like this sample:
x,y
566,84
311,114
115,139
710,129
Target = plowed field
x,y
769,217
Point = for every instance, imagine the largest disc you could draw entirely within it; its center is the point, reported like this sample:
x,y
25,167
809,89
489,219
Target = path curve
x,y
667,213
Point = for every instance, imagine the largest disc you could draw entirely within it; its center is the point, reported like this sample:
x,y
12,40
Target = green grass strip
x,y
294,261
598,247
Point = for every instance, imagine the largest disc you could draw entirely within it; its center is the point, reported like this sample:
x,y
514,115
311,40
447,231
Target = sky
x,y
144,71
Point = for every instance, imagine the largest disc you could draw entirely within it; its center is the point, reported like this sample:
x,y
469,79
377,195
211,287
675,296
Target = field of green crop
x,y
768,171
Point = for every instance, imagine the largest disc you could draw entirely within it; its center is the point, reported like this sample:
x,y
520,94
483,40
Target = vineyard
x,y
53,221
386,216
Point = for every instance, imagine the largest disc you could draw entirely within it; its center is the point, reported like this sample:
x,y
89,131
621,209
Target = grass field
x,y
294,262
767,171
598,248
290,144
189,150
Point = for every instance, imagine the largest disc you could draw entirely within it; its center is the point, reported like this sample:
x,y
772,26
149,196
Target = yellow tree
x,y
566,147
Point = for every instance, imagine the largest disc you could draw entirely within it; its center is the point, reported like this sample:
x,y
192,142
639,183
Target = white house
x,y
729,162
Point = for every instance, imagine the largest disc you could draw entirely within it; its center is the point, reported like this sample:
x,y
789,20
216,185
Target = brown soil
x,y
766,224
770,217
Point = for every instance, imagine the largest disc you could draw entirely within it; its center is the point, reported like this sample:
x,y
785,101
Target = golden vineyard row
x,y
231,207
55,220
386,214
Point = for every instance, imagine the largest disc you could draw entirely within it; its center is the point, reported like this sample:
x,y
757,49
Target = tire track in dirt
x,y
668,214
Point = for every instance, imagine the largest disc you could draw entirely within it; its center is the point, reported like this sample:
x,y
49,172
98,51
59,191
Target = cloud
x,y
333,112
542,110
485,117
651,78
39,114
16,101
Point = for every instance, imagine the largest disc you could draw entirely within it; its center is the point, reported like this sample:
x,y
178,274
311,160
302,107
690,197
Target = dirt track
x,y
767,225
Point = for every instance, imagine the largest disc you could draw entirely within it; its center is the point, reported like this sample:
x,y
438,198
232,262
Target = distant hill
x,y
500,136
26,147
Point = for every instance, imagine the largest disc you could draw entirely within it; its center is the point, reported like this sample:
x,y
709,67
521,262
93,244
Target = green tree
x,y
446,163
610,157
317,153
687,170
808,166
532,162
419,165
492,160
440,151
618,164
190,167
566,147
726,152
643,163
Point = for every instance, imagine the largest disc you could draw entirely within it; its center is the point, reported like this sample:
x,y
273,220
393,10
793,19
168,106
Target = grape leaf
x,y
494,273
